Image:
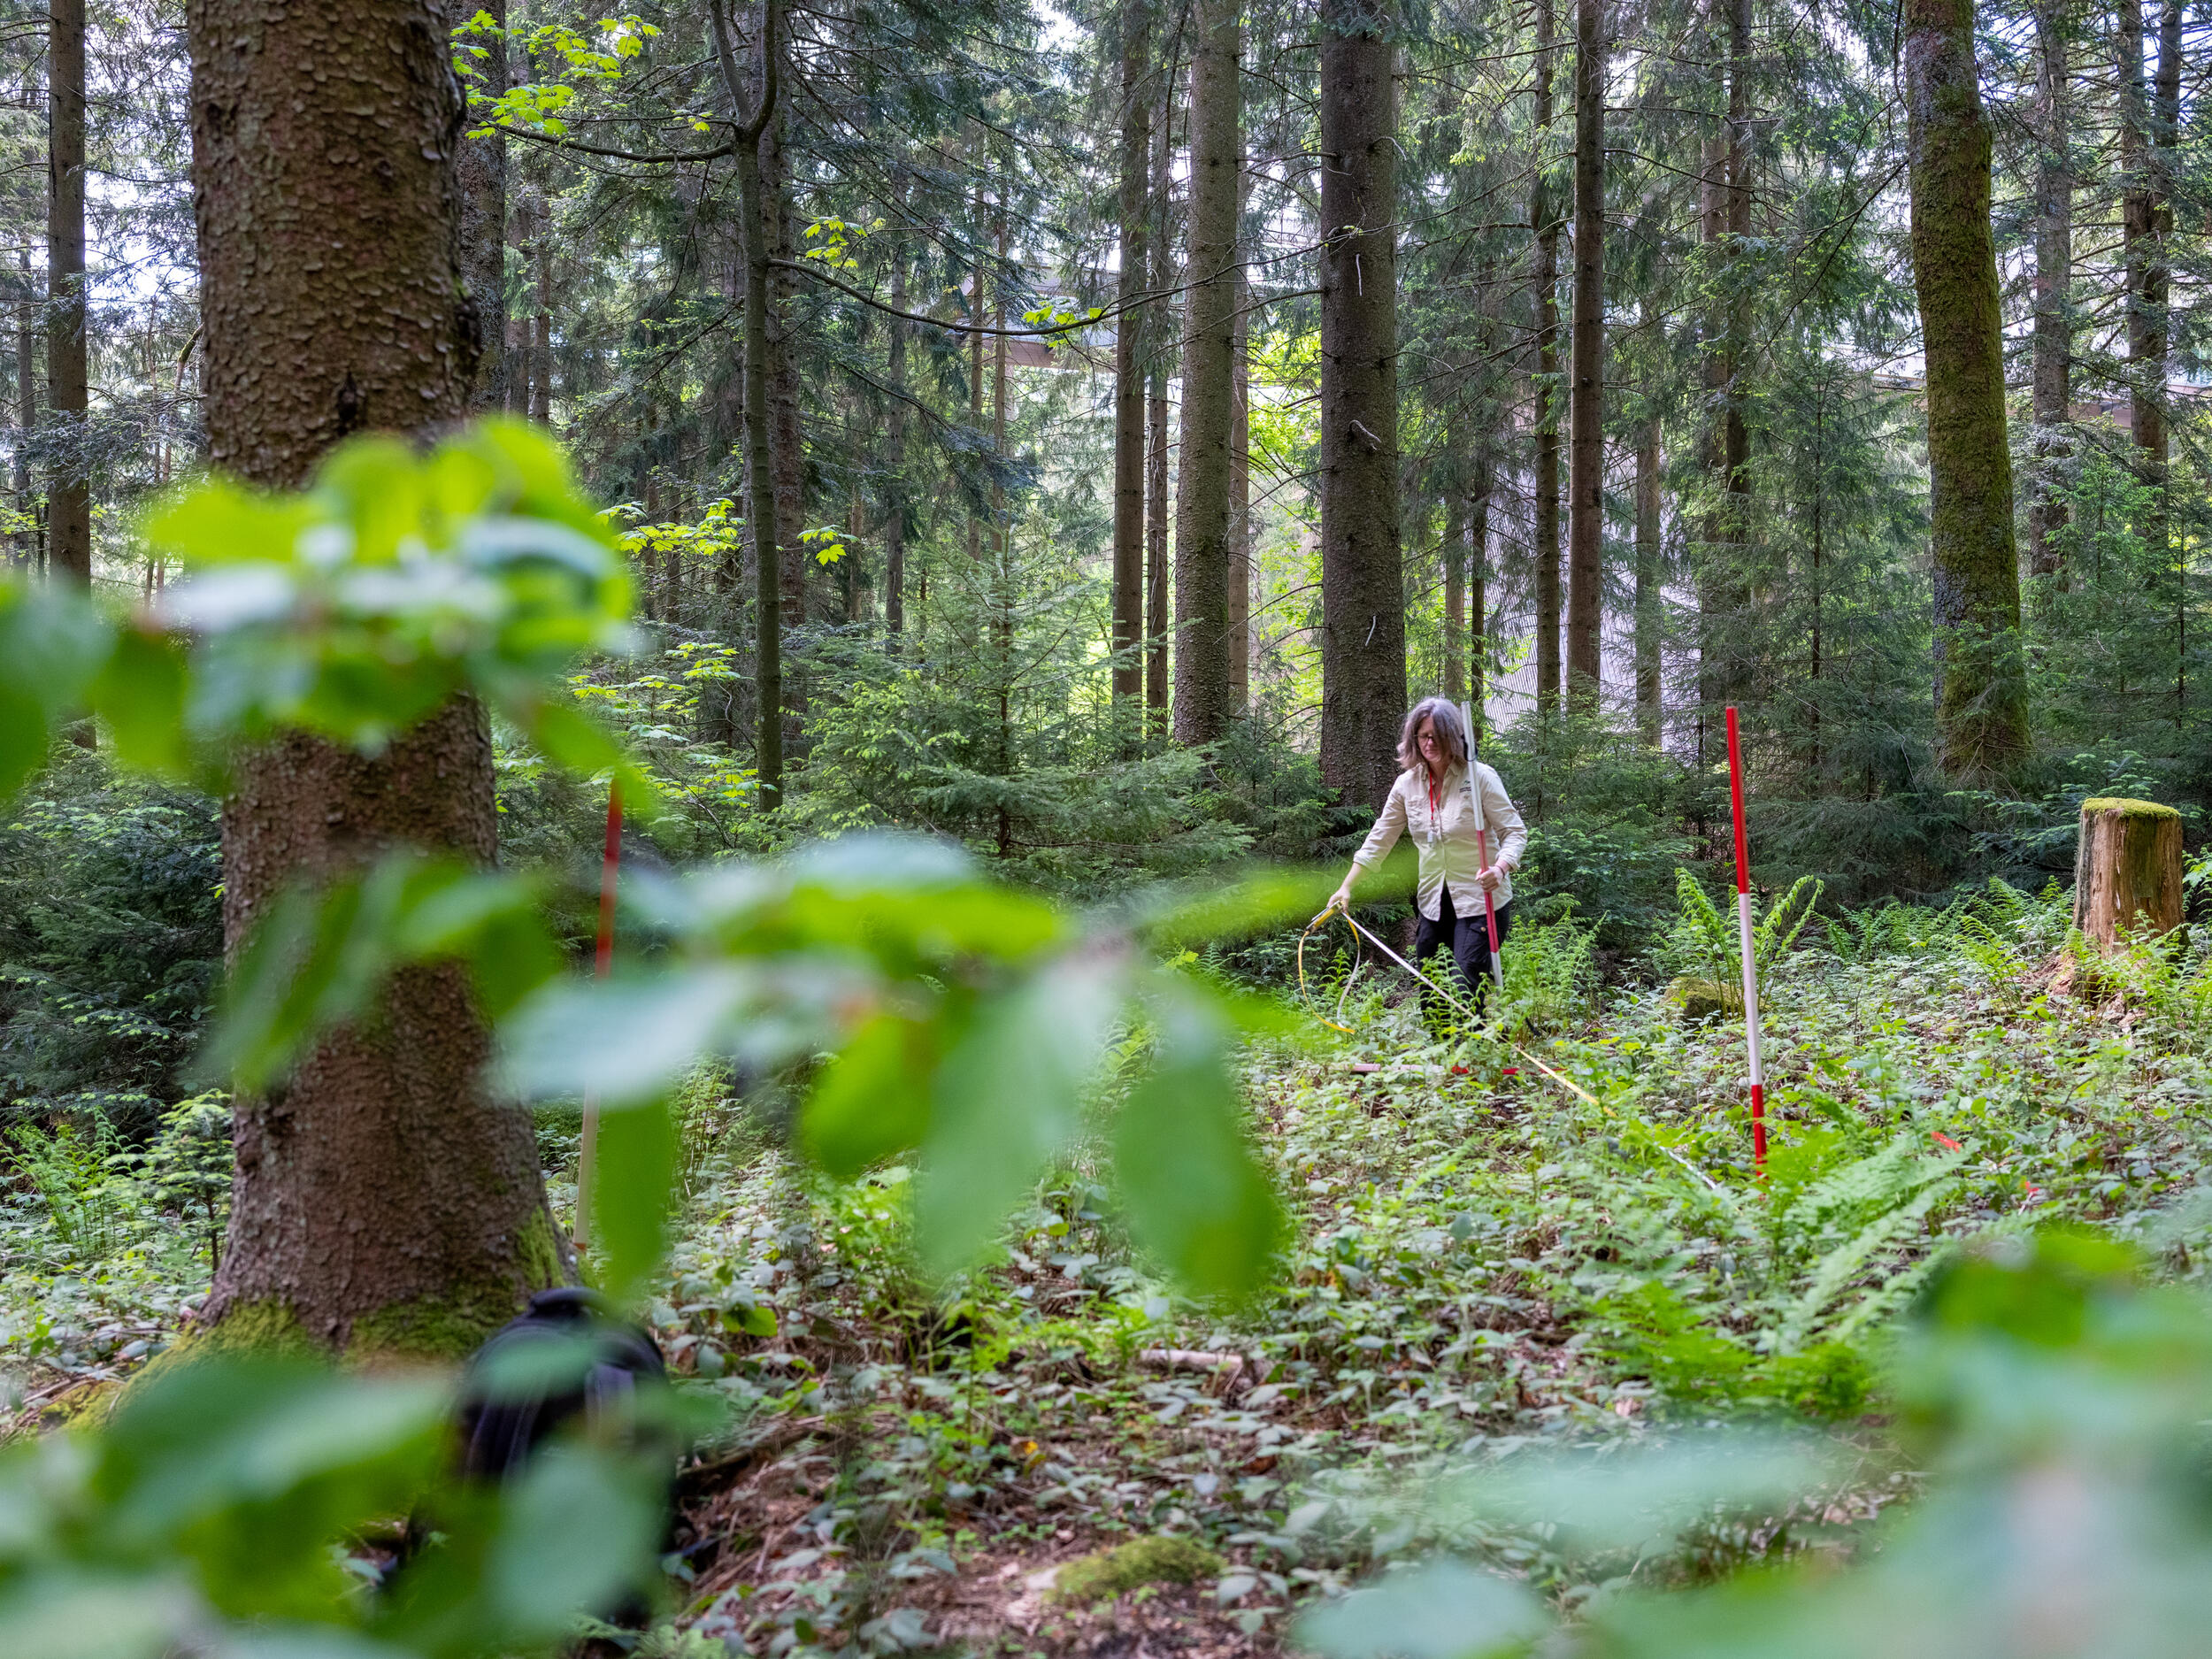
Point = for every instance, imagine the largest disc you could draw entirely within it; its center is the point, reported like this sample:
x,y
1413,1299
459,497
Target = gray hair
x,y
1451,732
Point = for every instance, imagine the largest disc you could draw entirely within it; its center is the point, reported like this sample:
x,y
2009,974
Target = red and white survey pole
x,y
602,964
1744,944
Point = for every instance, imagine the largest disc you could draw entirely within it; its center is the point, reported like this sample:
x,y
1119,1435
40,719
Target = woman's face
x,y
1432,745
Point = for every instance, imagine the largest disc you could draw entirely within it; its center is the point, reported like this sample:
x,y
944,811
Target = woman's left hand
x,y
1488,877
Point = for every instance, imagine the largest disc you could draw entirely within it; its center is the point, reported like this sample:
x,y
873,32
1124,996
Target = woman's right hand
x,y
1340,899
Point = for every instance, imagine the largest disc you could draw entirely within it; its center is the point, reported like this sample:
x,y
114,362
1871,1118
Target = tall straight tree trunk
x,y
383,1200
1129,359
542,341
2053,343
482,168
1453,552
1202,473
1479,495
1981,709
1243,551
1585,496
1546,278
1725,593
25,405
753,111
1647,582
895,470
2137,201
69,490
1161,331
2153,438
1001,548
1363,575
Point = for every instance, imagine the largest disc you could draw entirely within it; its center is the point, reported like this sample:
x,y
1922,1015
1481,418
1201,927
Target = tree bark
x,y
1362,577
2127,871
2054,341
383,1200
1982,716
1647,582
1202,475
1546,528
1129,361
482,173
68,488
1586,498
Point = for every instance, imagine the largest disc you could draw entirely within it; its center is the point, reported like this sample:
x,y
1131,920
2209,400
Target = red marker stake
x,y
1750,962
602,962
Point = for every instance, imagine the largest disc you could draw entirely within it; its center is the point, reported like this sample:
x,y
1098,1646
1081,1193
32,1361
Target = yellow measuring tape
x,y
1334,909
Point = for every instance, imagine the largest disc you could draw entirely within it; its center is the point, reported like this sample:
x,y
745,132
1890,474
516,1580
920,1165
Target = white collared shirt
x,y
1446,838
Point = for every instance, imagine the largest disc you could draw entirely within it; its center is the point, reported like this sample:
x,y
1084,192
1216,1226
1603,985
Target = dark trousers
x,y
1468,938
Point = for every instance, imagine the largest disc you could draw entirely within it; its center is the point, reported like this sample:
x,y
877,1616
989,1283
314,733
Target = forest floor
x,y
1483,1264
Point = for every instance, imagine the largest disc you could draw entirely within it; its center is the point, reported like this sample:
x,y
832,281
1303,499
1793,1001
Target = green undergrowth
x,y
1483,1261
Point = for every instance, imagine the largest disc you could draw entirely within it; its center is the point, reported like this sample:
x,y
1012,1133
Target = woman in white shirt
x,y
1442,798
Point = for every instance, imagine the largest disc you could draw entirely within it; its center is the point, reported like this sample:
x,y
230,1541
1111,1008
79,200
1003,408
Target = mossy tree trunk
x,y
2127,870
1981,709
383,1199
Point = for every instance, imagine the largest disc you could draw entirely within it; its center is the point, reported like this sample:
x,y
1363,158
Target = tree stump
x,y
2127,870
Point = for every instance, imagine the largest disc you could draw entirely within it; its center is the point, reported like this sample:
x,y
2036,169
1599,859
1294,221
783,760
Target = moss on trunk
x,y
1982,710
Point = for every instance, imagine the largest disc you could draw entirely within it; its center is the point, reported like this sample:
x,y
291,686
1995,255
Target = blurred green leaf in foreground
x,y
2060,1410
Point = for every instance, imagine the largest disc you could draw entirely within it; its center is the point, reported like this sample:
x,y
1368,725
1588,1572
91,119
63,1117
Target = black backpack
x,y
506,1416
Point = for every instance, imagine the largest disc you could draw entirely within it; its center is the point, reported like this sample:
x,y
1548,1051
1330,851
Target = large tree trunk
x,y
1362,577
1585,496
383,1200
1129,362
1981,712
483,172
69,490
1647,582
1202,476
1546,528
2054,345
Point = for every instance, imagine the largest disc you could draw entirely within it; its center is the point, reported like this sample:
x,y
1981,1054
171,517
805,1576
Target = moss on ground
x,y
1106,1573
